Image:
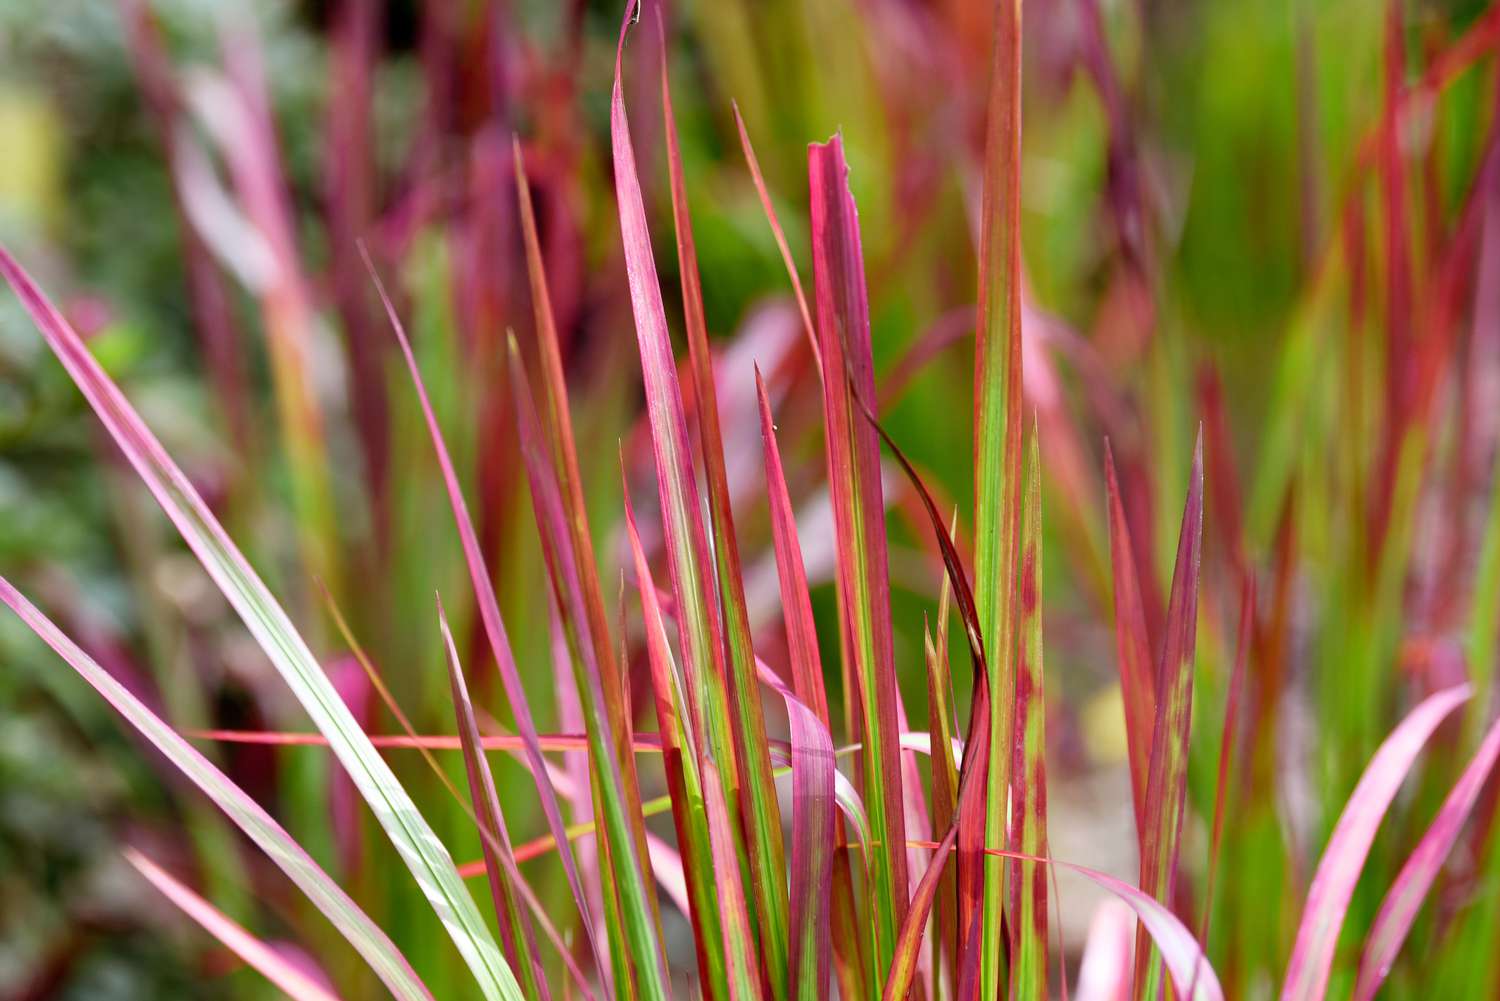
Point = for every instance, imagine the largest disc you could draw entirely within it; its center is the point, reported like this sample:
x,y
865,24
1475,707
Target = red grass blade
x,y
854,482
1166,784
1401,904
1349,844
1132,649
796,605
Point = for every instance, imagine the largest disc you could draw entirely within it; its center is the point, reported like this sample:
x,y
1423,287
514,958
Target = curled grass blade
x,y
1349,845
1399,909
267,961
415,841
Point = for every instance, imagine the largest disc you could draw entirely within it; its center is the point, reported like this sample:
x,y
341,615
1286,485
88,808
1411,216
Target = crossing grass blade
x,y
293,982
489,614
997,453
367,938
415,841
1166,784
757,790
1028,894
843,325
1399,909
1349,845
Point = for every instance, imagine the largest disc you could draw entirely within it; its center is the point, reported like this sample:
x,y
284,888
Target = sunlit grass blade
x,y
1348,846
843,323
997,452
1401,904
489,613
757,791
612,771
1028,893
367,938
419,848
516,935
680,747
297,985
1132,648
1166,784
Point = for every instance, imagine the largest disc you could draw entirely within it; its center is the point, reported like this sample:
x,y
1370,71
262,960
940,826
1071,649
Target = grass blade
x,y
1166,784
997,451
680,748
489,614
516,935
1132,648
362,933
854,482
1401,904
296,984
1349,844
617,794
413,839
1028,894
757,790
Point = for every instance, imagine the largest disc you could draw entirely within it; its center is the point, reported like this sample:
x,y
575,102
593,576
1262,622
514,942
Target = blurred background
x,y
1267,217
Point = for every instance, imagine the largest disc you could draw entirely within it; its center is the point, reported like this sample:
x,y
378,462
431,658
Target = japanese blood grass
x,y
847,901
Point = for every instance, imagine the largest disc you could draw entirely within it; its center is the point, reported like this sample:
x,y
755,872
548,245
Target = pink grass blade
x,y
1348,846
516,935
367,938
997,450
1132,648
681,752
617,791
757,790
1028,892
489,613
1412,883
414,840
854,481
1166,784
266,961
1105,970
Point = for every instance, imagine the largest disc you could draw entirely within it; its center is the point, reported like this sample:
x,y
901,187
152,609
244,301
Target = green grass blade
x,y
1028,894
997,451
419,848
